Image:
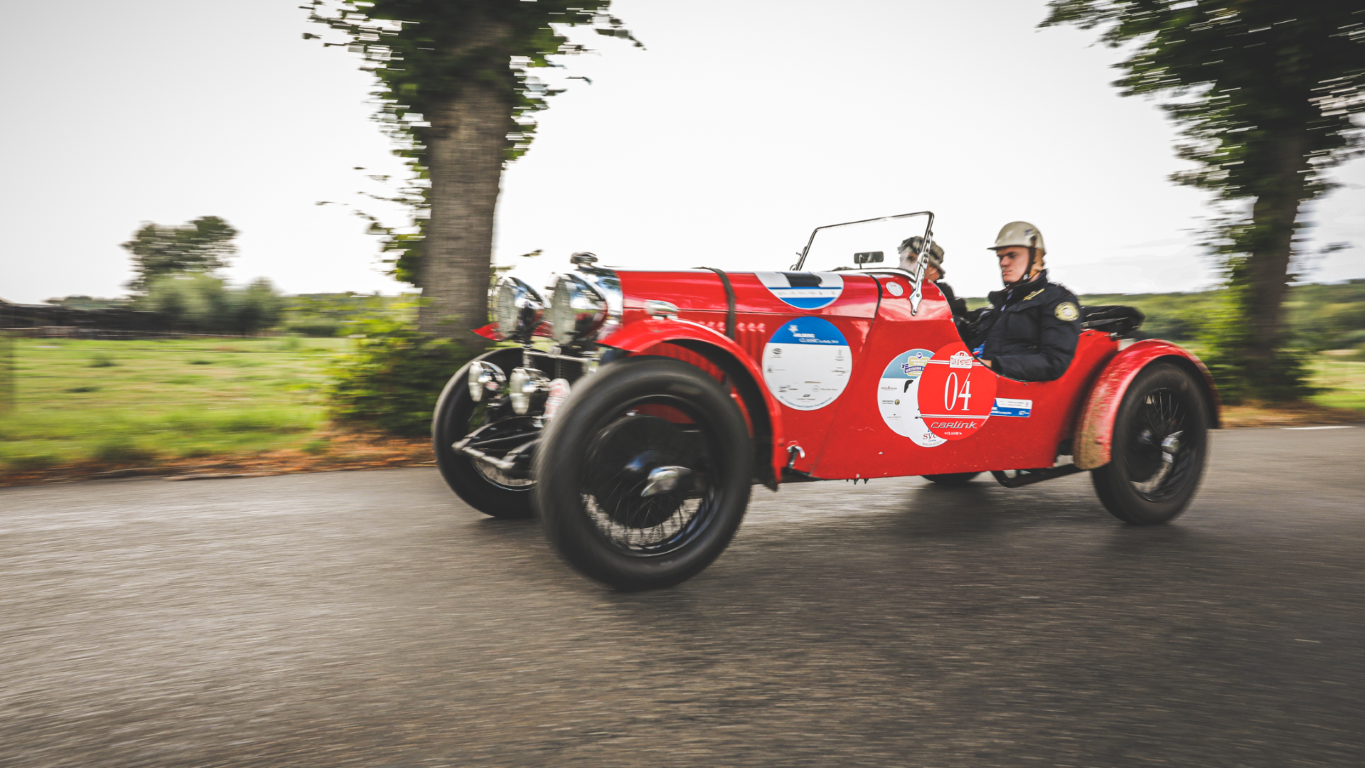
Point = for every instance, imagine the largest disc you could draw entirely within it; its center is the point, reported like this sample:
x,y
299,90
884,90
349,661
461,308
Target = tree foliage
x,y
1265,93
1252,70
203,245
427,53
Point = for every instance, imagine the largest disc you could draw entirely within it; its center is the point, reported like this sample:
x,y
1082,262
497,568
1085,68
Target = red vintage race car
x,y
667,395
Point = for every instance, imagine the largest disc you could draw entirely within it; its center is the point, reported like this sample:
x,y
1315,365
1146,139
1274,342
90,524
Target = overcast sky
x,y
741,127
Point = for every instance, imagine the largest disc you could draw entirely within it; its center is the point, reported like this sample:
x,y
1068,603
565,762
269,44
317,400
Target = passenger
x,y
933,271
1030,330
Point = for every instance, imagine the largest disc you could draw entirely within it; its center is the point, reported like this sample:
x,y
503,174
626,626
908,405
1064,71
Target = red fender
x,y
1095,431
638,337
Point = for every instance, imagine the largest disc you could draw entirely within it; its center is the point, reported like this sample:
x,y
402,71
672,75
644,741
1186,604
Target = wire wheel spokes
x,y
482,415
647,483
1162,447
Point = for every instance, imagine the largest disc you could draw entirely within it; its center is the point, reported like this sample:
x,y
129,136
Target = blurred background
x,y
180,294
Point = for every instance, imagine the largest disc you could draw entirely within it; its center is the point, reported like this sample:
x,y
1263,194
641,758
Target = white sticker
x,y
803,290
806,363
894,288
559,392
898,398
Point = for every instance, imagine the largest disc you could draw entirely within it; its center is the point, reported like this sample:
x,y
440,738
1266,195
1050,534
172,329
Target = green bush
x,y
1241,366
392,377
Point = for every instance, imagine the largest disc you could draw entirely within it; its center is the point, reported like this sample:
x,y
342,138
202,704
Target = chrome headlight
x,y
517,308
577,310
527,386
484,378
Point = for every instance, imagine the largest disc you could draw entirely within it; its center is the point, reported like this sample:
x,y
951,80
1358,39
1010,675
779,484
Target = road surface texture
x,y
369,618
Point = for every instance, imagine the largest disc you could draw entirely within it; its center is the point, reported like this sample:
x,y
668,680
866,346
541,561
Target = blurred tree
x,y
1265,92
202,303
189,301
203,245
254,308
455,90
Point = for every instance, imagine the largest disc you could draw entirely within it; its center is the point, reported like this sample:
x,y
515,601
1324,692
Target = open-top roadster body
x,y
666,395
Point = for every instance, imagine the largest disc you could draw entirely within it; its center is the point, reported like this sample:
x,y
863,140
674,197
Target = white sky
x,y
739,129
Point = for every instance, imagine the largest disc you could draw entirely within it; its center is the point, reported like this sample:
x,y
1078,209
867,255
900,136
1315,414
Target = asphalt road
x,y
369,618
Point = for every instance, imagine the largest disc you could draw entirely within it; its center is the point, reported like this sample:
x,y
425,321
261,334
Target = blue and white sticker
x,y
898,397
803,290
806,363
1006,407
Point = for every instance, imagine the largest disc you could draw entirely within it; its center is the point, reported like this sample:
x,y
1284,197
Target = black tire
x,y
1139,485
953,480
480,486
595,460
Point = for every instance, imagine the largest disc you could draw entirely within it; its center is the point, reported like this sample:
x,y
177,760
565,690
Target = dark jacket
x,y
1029,332
958,306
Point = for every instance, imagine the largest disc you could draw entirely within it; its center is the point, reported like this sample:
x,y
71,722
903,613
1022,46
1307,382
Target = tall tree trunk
x,y
465,156
1267,270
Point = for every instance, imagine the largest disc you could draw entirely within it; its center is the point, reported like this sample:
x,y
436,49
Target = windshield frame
x,y
927,240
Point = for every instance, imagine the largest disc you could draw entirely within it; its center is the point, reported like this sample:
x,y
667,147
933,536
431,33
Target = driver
x,y
933,270
1030,330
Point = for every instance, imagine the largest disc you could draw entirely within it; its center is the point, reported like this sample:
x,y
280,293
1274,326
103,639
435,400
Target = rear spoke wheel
x,y
1159,447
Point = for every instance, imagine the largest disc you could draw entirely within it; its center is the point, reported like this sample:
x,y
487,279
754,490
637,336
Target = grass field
x,y
1342,380
131,402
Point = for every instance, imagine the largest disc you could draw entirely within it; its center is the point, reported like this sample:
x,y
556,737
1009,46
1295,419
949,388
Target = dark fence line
x,y
46,315
86,332
46,321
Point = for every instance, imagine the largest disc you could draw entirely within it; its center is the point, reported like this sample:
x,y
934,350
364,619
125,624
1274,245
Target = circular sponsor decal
x,y
956,393
803,290
559,392
894,288
806,363
898,397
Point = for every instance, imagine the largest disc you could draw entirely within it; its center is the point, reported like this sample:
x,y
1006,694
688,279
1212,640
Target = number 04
x,y
951,393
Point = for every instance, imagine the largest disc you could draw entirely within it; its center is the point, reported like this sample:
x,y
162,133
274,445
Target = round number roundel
x,y
956,393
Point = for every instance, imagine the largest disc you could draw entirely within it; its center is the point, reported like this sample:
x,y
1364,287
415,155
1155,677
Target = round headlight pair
x,y
576,310
517,308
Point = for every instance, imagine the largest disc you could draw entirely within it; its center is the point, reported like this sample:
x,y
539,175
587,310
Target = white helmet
x,y
1020,233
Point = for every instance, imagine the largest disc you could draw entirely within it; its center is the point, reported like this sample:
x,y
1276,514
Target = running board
x,y
1031,476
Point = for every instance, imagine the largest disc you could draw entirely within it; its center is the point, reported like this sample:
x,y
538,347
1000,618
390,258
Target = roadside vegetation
x,y
106,404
